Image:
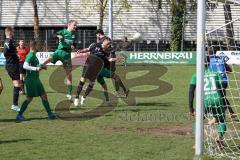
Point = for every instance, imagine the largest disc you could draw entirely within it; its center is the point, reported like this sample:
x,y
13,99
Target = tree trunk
x,y
229,27
36,21
101,15
102,7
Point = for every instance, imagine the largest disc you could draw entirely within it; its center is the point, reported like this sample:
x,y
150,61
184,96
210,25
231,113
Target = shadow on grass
x,y
50,92
14,141
140,109
63,111
168,104
27,119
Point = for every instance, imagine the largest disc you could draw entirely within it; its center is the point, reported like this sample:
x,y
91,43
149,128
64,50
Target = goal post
x,y
199,74
218,31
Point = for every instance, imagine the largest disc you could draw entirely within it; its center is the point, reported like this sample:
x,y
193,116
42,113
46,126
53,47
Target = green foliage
x,y
177,10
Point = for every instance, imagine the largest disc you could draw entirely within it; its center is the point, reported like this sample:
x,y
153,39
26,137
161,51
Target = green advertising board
x,y
168,57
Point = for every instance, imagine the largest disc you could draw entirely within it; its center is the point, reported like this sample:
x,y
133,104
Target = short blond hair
x,y
9,29
72,21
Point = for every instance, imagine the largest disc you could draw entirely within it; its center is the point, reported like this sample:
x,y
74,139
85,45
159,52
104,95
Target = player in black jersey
x,y
12,65
112,67
94,66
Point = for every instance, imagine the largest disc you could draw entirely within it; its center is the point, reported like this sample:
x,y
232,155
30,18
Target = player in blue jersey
x,y
218,64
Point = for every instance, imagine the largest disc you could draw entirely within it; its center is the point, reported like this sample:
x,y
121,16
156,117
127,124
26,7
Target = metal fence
x,y
49,41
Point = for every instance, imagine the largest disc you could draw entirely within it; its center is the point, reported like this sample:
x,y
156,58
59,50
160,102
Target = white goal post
x,y
218,29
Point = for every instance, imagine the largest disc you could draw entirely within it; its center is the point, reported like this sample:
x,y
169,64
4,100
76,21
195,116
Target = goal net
x,y
223,40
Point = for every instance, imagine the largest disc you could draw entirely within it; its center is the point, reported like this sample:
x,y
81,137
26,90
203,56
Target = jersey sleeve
x,y
191,92
6,47
193,80
92,47
60,32
29,58
27,66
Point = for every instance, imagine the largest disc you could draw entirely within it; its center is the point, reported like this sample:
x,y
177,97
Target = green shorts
x,y
104,73
63,56
34,87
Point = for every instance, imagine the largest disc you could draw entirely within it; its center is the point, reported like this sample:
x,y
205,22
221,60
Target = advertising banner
x,y
2,59
184,57
230,57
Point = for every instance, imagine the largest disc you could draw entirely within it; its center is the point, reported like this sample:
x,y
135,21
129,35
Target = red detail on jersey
x,y
22,53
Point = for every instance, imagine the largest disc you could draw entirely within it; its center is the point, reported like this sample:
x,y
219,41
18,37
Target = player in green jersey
x,y
33,84
67,38
213,102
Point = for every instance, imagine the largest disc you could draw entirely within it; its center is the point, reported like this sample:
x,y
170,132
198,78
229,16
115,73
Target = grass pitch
x,y
152,124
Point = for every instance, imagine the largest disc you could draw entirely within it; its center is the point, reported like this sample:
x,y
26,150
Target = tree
x,y
36,21
177,10
101,8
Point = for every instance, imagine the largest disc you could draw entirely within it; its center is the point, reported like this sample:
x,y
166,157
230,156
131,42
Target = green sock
x,y
46,106
23,107
69,89
106,95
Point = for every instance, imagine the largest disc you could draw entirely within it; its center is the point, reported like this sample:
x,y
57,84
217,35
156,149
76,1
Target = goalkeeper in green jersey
x,y
33,84
213,102
67,42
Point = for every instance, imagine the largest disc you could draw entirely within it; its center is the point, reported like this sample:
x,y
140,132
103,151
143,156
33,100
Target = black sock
x,y
15,95
119,81
116,85
229,107
106,95
88,90
22,87
79,88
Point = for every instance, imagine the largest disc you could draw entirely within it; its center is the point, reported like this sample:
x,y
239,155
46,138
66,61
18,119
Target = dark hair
x,y
21,39
106,38
99,31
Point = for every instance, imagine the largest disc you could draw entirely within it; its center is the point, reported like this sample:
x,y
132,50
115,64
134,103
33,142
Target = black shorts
x,y
92,67
13,71
21,69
